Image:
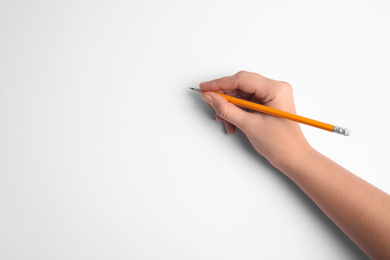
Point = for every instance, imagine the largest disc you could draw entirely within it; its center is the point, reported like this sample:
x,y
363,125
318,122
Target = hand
x,y
279,140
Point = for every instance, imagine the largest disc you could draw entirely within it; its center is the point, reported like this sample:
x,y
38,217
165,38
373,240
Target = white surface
x,y
106,154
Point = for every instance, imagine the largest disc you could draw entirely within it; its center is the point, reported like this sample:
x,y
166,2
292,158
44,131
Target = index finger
x,y
243,83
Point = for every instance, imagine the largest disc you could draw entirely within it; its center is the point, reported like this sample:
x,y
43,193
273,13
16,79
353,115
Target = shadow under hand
x,y
340,237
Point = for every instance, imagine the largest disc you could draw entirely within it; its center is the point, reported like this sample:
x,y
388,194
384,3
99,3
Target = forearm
x,y
360,209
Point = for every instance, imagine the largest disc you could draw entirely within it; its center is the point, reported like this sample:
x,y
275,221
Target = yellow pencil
x,y
282,114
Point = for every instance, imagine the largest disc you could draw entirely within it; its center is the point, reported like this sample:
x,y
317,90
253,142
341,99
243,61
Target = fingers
x,y
230,128
249,86
226,111
244,84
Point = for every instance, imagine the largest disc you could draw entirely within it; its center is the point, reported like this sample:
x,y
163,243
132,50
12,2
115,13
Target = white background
x,y
105,153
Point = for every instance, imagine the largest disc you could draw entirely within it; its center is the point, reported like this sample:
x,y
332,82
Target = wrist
x,y
295,159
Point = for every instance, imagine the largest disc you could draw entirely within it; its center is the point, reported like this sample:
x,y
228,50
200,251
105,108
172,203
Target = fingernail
x,y
208,99
204,82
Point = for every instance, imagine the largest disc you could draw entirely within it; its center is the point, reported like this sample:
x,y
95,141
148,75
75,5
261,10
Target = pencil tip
x,y
197,90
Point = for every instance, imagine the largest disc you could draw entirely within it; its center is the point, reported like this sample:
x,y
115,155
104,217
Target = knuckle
x,y
241,74
285,86
222,112
218,82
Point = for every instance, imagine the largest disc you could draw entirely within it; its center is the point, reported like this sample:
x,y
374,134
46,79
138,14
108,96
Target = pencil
x,y
282,114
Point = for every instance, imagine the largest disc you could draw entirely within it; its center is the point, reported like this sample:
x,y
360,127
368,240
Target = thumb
x,y
225,110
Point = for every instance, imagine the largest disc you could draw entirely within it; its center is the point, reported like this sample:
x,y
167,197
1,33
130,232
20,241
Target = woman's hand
x,y
279,140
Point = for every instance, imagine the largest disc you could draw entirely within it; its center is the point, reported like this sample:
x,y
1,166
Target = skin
x,y
358,208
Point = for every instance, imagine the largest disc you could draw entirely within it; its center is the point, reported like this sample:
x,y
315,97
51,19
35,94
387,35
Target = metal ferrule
x,y
341,130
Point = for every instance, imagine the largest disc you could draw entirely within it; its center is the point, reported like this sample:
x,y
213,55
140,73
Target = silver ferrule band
x,y
341,130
